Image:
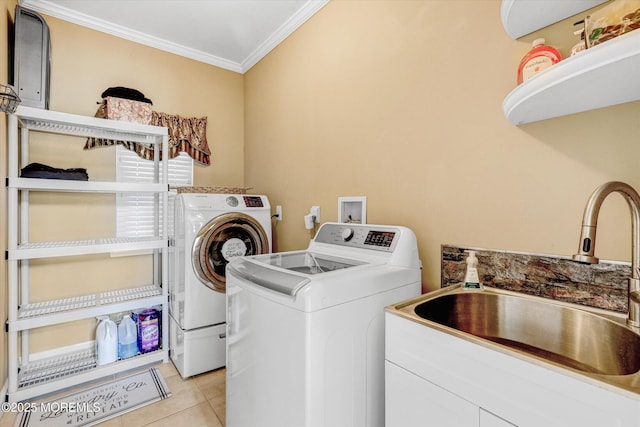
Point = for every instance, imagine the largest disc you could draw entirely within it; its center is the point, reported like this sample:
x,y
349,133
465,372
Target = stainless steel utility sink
x,y
591,342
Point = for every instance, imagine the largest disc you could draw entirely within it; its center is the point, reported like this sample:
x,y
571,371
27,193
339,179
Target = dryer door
x,y
223,238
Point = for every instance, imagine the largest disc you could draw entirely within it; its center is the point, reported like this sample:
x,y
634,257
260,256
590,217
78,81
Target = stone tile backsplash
x,y
602,285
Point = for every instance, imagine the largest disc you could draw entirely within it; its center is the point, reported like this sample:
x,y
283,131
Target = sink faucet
x,y
588,239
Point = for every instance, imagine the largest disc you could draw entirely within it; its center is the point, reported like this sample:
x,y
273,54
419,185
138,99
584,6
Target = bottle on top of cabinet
x,y
540,57
582,44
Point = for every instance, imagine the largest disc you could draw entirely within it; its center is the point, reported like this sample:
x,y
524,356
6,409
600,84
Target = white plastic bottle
x,y
127,338
106,341
471,278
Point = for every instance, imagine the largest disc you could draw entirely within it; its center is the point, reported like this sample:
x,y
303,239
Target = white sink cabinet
x,y
435,378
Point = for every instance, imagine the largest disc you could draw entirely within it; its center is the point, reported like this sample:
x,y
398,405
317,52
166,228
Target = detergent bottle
x,y
127,338
106,341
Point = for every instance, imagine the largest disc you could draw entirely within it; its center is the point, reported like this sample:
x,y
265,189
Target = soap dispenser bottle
x,y
471,278
540,57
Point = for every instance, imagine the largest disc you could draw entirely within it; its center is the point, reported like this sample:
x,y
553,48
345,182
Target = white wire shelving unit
x,y
28,378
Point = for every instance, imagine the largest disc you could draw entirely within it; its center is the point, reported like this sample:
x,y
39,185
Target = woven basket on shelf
x,y
213,190
9,100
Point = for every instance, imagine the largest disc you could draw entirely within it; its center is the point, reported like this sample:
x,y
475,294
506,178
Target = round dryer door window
x,y
222,239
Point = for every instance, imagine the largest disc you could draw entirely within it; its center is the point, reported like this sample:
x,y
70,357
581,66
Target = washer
x,y
305,329
209,231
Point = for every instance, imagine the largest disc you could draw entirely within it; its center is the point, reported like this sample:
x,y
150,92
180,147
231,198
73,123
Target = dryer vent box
x,y
31,58
352,210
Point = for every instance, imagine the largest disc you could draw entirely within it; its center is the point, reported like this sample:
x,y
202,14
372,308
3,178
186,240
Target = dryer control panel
x,y
362,236
247,201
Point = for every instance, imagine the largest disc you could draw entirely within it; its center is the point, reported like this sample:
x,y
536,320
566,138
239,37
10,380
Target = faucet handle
x,y
633,320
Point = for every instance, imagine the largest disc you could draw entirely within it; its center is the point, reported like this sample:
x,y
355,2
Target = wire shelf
x,y
85,301
57,367
9,100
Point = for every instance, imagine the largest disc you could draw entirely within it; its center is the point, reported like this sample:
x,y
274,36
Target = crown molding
x,y
52,9
300,17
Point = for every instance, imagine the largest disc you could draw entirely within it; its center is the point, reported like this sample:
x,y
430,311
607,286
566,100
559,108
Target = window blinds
x,y
135,212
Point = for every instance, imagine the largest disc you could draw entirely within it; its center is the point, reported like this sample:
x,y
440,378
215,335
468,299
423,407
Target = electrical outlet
x,y
315,211
278,213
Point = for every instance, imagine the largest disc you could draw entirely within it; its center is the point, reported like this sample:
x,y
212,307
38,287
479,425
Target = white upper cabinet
x,y
521,17
599,77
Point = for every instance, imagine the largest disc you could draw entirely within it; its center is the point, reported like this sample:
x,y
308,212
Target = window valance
x,y
188,134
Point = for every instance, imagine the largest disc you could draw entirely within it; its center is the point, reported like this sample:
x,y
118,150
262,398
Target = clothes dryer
x,y
209,231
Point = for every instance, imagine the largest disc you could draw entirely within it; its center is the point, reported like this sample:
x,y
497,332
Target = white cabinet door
x,y
413,401
487,419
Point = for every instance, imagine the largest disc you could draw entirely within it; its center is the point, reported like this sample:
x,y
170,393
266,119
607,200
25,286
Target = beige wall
x,y
401,101
396,100
84,63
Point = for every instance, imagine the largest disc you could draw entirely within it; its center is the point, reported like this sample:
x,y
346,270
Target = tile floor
x,y
196,401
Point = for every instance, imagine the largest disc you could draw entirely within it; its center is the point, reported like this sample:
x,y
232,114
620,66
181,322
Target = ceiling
x,y
231,34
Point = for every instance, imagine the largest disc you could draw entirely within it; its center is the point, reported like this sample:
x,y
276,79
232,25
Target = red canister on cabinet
x,y
539,58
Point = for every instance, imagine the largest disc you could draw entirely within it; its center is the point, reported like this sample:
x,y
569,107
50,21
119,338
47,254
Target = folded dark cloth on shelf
x,y
126,93
38,170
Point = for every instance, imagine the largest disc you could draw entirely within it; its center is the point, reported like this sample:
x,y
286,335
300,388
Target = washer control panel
x,y
359,236
247,201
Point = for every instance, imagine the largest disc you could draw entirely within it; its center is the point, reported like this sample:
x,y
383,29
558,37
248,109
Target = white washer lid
x,y
283,277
